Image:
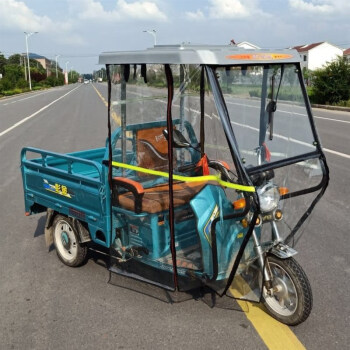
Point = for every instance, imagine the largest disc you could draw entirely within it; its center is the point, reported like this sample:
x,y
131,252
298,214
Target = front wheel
x,y
66,241
291,299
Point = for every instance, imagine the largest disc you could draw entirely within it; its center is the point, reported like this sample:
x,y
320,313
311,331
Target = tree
x,y
73,76
53,81
3,62
13,72
15,59
332,83
13,78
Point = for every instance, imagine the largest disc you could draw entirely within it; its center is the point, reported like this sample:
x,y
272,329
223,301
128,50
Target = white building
x,y
317,55
247,45
244,45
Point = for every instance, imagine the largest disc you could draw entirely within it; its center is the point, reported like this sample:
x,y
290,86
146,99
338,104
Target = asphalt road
x,y
47,305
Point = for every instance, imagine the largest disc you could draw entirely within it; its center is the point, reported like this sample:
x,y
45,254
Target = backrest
x,y
152,149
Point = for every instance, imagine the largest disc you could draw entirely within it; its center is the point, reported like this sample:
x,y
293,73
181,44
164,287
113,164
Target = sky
x,y
79,30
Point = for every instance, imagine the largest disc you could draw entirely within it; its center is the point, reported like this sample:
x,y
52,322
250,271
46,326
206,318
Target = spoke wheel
x,y
291,299
66,241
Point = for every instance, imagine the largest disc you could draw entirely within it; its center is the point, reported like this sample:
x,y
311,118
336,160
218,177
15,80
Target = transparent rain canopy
x,y
199,240
141,225
267,110
139,98
295,178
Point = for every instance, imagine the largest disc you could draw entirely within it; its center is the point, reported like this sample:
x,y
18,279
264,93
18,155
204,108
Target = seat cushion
x,y
156,199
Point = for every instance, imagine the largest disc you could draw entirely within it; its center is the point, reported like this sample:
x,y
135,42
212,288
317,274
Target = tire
x,y
291,304
66,241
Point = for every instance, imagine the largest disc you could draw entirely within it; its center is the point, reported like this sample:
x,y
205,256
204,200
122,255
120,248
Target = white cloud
x,y
16,15
197,16
328,7
141,10
228,9
311,7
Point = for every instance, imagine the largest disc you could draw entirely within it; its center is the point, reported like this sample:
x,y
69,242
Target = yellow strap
x,y
187,178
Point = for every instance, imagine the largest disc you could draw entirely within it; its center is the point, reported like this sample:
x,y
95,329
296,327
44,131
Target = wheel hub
x,y
282,298
65,240
280,289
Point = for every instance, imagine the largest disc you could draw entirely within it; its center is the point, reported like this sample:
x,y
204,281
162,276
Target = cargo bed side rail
x,y
63,163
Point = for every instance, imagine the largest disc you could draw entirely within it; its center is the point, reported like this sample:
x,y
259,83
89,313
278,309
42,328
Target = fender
x,y
50,215
283,251
84,234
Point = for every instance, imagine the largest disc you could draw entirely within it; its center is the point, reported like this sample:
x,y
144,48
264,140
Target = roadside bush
x,y
13,92
22,84
255,93
38,76
53,81
5,84
331,84
13,73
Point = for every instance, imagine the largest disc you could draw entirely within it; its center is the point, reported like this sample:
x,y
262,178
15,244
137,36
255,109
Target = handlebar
x,y
186,168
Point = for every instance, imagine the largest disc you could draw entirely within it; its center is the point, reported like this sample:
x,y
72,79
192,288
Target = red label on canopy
x,y
260,56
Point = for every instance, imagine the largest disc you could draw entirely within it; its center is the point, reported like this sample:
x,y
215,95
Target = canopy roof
x,y
200,54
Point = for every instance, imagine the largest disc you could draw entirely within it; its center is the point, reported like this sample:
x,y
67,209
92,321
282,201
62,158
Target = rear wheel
x,y
66,241
291,300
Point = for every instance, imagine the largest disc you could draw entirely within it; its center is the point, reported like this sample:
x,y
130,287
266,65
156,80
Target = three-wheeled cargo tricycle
x,y
211,166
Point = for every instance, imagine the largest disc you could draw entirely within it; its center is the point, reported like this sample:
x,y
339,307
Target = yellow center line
x,y
114,115
273,333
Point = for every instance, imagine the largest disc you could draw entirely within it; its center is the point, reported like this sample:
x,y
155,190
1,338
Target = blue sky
x,y
78,30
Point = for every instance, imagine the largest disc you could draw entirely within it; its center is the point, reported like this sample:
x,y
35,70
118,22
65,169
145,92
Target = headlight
x,y
268,198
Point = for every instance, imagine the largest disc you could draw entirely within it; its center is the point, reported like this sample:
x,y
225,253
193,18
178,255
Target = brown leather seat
x,y
156,199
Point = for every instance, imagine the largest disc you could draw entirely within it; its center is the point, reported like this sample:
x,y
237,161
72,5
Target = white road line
x,y
35,113
333,120
27,98
344,155
291,112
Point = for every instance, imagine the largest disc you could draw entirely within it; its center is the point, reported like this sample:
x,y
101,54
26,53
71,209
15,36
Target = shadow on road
x,y
39,231
100,256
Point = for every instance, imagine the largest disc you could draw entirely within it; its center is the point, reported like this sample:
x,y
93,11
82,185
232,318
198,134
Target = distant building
x,y
244,45
317,55
247,45
346,54
46,63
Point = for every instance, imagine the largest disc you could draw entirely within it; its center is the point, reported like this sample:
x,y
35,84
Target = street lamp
x,y
56,65
27,36
153,32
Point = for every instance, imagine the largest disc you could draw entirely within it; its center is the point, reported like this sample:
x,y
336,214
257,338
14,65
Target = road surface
x,y
47,305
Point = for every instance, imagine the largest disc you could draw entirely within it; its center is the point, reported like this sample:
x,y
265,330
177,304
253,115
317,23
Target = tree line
x,y
14,71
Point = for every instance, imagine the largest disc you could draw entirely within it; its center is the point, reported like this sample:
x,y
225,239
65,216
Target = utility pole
x,y
25,67
27,36
56,65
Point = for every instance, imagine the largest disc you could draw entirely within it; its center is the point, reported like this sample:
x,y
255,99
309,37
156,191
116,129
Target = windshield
x,y
267,111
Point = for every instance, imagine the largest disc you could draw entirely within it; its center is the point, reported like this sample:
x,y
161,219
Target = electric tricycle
x,y
211,167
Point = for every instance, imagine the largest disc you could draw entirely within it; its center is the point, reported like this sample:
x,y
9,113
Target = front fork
x,y
261,258
280,250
